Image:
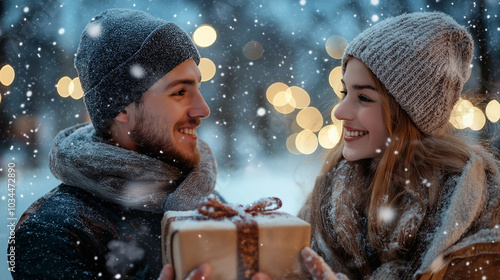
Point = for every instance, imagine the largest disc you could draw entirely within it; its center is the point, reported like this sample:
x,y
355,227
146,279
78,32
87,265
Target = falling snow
x,y
94,30
245,131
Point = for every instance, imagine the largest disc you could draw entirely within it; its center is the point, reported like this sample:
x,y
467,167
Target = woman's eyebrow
x,y
361,87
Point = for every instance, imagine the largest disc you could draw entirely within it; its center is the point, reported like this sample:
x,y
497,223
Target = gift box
x,y
236,241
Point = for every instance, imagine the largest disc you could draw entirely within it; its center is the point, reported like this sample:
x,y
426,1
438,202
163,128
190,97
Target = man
x,y
140,156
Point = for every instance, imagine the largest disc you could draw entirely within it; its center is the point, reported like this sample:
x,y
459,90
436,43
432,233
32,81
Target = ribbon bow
x,y
246,227
215,209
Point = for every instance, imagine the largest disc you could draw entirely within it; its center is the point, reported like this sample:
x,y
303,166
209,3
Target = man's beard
x,y
155,140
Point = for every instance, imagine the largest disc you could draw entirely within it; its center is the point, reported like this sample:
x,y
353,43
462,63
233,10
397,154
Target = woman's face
x,y
365,133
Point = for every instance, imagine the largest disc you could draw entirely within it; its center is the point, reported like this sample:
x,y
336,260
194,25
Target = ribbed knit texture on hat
x,y
122,53
423,60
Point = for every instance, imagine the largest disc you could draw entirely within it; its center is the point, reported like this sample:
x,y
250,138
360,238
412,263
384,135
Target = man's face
x,y
167,118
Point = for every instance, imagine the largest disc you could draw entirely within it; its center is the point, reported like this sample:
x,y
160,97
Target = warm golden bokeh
x,y
335,79
462,114
283,98
274,89
329,136
7,75
285,109
493,111
310,118
63,86
332,116
204,36
207,69
306,142
300,97
479,120
75,88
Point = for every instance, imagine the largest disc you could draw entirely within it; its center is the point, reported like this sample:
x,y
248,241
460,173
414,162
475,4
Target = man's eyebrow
x,y
182,81
360,87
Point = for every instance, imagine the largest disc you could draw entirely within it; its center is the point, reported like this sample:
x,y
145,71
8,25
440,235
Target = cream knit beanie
x,y
423,60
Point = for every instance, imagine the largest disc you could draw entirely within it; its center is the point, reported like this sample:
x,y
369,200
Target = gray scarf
x,y
80,158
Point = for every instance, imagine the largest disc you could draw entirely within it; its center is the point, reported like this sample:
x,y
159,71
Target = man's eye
x,y
179,93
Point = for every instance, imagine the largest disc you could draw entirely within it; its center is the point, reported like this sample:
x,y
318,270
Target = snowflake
x,y
387,214
137,71
94,30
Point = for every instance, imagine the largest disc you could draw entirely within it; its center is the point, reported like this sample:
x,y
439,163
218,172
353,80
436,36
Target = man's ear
x,y
123,116
126,114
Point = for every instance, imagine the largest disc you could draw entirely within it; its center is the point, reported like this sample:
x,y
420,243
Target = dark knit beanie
x,y
423,60
122,53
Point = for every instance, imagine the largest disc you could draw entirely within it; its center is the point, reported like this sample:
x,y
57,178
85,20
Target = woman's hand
x,y
200,273
317,267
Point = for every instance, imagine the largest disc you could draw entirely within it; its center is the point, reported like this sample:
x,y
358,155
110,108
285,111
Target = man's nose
x,y
199,108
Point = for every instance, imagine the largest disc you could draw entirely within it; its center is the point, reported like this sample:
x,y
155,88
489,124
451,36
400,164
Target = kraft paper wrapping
x,y
192,239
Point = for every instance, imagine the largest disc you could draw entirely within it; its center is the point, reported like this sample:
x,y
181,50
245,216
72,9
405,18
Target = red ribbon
x,y
215,209
247,228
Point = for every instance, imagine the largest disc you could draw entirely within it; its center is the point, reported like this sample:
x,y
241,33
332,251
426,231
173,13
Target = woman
x,y
400,198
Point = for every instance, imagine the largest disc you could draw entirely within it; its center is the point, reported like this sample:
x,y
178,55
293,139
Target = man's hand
x,y
317,267
200,273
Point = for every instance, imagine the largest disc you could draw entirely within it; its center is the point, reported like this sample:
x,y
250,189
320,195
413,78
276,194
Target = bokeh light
x,y
291,144
334,119
283,98
273,90
286,99
63,86
207,69
306,142
75,89
310,118
204,36
253,50
462,114
479,120
300,96
329,136
493,111
335,46
285,109
7,75
335,80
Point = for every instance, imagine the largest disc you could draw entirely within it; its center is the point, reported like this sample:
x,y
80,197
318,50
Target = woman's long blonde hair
x,y
411,164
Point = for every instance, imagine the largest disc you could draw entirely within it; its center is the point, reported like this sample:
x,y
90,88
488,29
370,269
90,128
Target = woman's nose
x,y
344,110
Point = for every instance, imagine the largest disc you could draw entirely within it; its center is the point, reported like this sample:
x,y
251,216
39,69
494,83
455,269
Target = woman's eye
x,y
364,98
